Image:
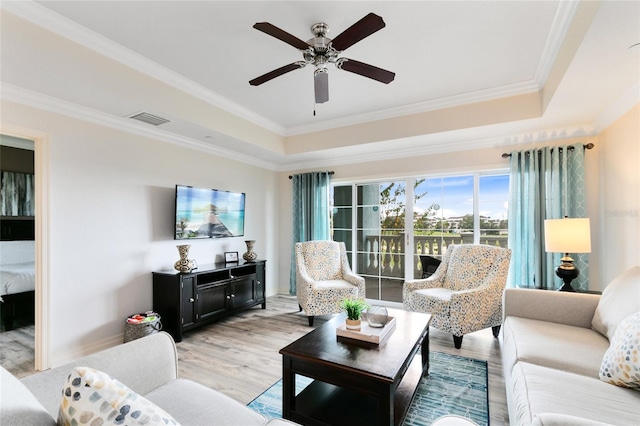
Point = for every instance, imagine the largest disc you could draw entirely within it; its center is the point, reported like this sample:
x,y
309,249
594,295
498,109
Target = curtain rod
x,y
331,173
587,146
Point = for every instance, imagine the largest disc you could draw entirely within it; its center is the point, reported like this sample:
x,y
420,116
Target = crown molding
x,y
451,143
46,18
439,147
425,145
33,99
443,144
446,143
419,107
559,28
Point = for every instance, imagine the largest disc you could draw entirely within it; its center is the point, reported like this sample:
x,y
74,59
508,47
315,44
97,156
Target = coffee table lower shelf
x,y
321,404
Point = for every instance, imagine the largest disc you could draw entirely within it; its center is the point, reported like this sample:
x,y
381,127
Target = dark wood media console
x,y
189,300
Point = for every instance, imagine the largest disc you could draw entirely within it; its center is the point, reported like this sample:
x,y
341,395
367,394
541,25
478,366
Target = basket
x,y
135,331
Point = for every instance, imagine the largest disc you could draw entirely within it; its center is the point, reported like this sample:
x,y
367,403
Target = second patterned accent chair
x,y
324,278
465,293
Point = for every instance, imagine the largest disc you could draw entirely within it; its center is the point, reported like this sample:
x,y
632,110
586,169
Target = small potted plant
x,y
354,309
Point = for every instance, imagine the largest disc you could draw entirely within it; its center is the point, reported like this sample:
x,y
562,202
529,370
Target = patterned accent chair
x,y
465,293
324,278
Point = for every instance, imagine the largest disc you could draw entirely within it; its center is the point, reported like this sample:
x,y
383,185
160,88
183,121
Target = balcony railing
x,y
384,254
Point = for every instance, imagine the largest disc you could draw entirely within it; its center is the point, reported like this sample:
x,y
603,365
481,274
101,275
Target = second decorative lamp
x,y
567,236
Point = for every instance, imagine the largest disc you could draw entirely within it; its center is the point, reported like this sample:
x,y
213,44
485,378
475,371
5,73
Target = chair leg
x,y
299,307
311,320
457,341
496,330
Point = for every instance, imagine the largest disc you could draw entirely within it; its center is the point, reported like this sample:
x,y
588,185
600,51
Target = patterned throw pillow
x,y
91,397
621,363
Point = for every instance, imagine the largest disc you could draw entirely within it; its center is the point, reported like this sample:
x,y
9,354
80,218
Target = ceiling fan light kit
x,y
321,50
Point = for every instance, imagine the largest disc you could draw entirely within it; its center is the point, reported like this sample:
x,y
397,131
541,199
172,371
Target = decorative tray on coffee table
x,y
367,333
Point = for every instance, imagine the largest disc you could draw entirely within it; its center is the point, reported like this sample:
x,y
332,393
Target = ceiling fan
x,y
321,51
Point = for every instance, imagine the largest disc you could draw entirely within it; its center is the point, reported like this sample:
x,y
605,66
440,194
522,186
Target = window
x,y
419,216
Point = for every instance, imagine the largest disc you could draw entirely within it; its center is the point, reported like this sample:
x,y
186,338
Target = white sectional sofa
x,y
147,366
553,345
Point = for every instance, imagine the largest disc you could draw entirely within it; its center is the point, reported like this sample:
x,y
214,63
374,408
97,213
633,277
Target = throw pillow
x,y
92,397
619,299
621,362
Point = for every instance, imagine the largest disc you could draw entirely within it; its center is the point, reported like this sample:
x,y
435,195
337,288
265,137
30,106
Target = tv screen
x,y
208,213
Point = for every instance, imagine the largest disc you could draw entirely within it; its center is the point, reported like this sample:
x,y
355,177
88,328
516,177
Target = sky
x,y
454,195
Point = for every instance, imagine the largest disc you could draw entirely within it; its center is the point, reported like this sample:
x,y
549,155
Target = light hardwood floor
x,y
17,350
239,357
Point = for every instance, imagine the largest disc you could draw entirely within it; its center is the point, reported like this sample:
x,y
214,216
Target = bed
x,y
17,279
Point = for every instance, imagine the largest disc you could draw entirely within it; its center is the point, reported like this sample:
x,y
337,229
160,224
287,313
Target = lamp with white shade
x,y
568,235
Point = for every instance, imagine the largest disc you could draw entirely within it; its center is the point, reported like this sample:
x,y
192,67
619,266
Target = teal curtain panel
x,y
545,183
310,213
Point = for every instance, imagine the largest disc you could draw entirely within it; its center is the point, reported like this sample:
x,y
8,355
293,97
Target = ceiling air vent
x,y
145,117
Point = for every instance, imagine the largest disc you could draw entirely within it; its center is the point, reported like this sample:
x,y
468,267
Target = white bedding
x,y
17,267
17,278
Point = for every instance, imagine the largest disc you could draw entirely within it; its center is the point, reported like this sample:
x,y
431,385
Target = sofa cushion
x,y
536,389
93,397
621,362
575,349
619,299
18,406
203,405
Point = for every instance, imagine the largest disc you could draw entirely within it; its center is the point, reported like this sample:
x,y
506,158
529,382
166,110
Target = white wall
x,y
620,196
111,215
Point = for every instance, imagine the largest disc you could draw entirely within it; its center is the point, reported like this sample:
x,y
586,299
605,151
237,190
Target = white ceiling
x,y
444,53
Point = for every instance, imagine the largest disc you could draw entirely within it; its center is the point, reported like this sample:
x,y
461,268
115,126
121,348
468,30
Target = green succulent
x,y
354,308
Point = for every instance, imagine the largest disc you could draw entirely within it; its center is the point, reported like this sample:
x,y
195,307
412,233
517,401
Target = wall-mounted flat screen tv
x,y
208,213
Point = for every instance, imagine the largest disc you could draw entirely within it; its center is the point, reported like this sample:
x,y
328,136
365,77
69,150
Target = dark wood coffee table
x,y
355,382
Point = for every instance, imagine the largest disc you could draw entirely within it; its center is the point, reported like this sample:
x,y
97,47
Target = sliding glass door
x,y
399,229
380,224
375,214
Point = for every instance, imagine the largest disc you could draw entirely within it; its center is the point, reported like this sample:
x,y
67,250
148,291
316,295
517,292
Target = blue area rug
x,y
456,385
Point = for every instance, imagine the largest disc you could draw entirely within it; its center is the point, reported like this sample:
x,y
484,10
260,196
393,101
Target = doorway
x,y
32,232
17,254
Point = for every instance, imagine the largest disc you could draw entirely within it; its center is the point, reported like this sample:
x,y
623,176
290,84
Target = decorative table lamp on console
x,y
567,236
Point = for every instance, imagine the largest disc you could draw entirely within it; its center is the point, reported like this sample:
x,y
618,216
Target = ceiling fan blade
x,y
321,86
361,29
276,32
366,70
276,73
